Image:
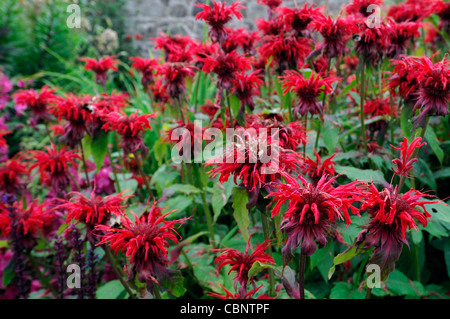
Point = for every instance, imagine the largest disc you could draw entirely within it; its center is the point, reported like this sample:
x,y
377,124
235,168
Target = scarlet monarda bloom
x,y
217,16
242,262
335,34
230,295
361,8
226,66
101,67
411,10
291,135
11,174
401,34
245,86
312,211
307,90
373,42
145,244
92,211
391,214
29,218
288,52
146,68
315,169
170,44
256,158
74,109
406,161
53,165
36,102
175,75
404,78
272,4
298,19
379,107
131,128
434,89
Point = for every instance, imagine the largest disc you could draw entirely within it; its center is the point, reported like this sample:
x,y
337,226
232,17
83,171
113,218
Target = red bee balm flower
x,y
242,262
230,295
175,75
316,169
144,243
272,4
298,19
335,34
226,66
37,102
406,161
217,16
246,86
131,128
313,209
101,67
307,90
145,67
10,176
434,89
53,165
391,215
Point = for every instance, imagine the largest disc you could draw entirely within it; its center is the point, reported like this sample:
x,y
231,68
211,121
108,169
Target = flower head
x,y
391,214
175,75
316,169
217,16
312,211
245,86
362,8
299,19
226,66
146,68
242,262
307,90
272,4
144,242
53,165
406,161
434,88
36,102
100,67
400,35
287,51
11,176
131,128
335,34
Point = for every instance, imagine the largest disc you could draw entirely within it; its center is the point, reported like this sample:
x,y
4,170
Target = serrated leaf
x,y
400,285
240,214
362,175
432,140
183,188
348,254
405,121
112,290
330,136
99,148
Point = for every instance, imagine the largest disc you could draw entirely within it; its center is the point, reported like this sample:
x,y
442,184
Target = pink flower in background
x,y
5,87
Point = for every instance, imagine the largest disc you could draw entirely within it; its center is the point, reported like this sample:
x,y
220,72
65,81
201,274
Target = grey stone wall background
x,y
151,17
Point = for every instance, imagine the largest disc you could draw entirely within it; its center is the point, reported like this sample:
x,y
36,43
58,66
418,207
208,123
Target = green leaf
x,y
220,195
259,267
240,214
183,188
348,254
126,182
176,285
330,136
439,211
447,256
3,243
442,173
112,290
362,175
8,273
405,121
160,150
424,173
400,285
99,148
432,140
178,203
343,290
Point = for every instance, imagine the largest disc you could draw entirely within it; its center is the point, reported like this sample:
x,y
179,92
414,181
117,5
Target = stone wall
x,y
151,17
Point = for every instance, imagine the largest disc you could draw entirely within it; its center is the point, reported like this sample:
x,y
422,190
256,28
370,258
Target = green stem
x,y
301,275
368,292
363,98
42,279
112,263
84,164
319,128
206,210
144,177
157,294
267,232
113,169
